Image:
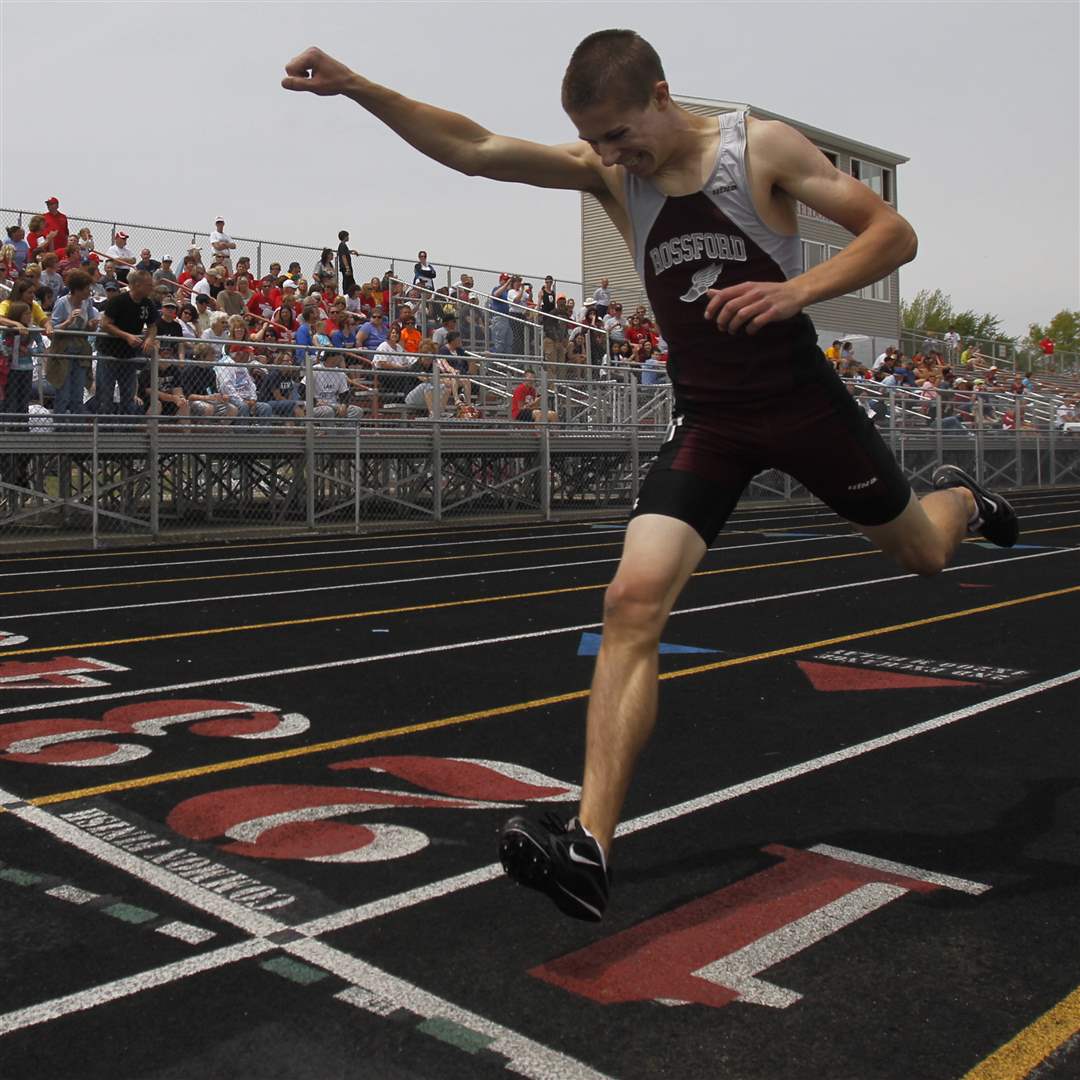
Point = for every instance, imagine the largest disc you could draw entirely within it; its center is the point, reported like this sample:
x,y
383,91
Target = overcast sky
x,y
171,113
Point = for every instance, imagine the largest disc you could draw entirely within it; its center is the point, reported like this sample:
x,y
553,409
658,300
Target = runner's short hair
x,y
617,66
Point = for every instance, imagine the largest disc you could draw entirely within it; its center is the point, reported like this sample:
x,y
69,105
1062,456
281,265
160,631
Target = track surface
x,y
251,792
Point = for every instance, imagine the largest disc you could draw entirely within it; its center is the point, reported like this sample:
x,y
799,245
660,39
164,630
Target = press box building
x,y
873,312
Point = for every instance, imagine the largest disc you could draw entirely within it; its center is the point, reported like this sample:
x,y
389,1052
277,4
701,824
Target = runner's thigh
x,y
698,477
823,439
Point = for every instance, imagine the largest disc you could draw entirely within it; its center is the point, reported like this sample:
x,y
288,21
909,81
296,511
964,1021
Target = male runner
x,y
707,207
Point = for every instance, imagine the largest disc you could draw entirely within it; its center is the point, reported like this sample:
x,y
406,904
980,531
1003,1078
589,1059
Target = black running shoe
x,y
558,858
997,520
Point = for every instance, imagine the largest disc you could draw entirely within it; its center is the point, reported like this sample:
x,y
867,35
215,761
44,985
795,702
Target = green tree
x,y
1063,329
933,311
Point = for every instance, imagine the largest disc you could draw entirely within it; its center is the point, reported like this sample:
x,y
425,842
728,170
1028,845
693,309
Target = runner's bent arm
x,y
883,239
449,138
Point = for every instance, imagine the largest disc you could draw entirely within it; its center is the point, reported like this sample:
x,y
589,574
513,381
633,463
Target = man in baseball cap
x,y
56,224
221,243
121,255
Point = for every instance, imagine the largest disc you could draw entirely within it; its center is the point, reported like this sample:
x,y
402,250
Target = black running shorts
x,y
814,431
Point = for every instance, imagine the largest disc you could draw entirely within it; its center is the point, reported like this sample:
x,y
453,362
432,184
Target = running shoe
x,y
996,519
560,859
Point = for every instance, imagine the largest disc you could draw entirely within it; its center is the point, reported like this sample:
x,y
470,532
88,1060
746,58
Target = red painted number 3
x,y
65,741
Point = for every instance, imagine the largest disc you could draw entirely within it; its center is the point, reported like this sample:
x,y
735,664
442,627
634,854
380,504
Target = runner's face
x,y
631,137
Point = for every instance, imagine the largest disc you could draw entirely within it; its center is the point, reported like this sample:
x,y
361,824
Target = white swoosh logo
x,y
575,857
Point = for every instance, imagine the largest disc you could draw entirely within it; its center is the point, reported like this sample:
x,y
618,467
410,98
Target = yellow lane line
x,y
349,615
521,706
278,571
1032,1046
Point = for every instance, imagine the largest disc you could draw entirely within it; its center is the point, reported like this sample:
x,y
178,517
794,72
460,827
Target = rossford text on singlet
x,y
691,247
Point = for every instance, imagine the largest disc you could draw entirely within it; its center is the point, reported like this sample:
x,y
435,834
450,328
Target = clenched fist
x,y
317,73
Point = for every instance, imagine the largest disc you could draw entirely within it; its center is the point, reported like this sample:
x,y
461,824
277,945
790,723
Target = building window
x,y
812,254
879,290
877,178
831,155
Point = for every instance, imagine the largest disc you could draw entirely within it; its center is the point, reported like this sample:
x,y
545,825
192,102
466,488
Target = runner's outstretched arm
x,y
447,137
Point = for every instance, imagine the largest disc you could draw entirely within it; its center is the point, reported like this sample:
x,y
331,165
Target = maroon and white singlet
x,y
745,403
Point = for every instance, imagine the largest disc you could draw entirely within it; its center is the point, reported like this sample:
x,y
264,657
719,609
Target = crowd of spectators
x,y
78,325
217,326
968,392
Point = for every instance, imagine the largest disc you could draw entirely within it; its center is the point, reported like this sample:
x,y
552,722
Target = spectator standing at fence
x,y
221,244
547,296
56,224
501,337
17,238
602,299
36,238
344,262
121,255
129,333
556,331
424,273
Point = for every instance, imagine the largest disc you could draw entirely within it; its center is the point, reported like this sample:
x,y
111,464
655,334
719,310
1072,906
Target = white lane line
x,y
131,984
258,557
71,894
328,665
391,904
527,1057
931,877
342,587
196,896
182,931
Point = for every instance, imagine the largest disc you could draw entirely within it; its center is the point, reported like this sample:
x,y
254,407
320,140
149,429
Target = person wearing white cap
x,y
222,242
121,254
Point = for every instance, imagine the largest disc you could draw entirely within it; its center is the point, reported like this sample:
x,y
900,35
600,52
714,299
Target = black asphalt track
x,y
181,896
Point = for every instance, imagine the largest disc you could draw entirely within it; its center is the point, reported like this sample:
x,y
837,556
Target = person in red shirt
x,y
271,290
56,224
524,405
1047,345
36,237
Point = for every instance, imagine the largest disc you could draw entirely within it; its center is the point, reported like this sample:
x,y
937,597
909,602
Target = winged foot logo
x,y
703,280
